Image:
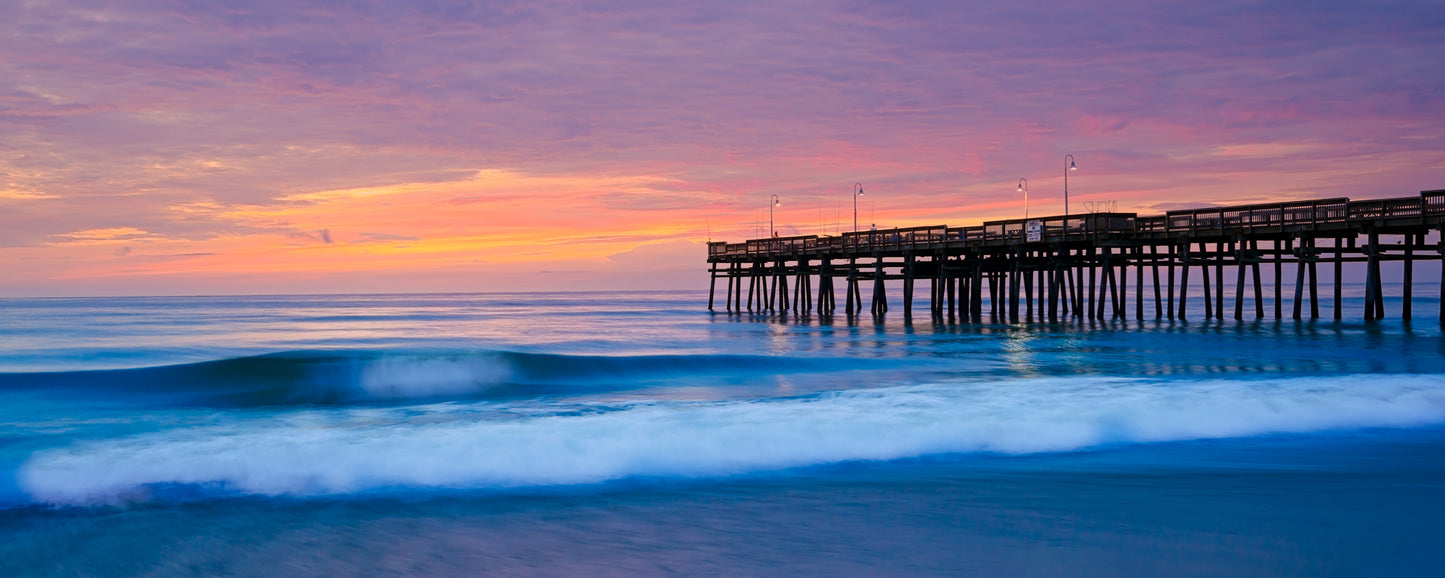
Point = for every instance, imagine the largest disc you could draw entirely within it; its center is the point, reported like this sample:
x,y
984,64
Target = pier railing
x,y
1296,215
1385,208
1220,219
1433,202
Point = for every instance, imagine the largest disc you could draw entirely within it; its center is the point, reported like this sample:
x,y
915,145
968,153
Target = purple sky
x,y
201,147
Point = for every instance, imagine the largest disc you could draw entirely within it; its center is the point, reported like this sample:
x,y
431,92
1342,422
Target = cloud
x,y
220,128
388,237
664,255
16,194
317,236
1266,150
108,234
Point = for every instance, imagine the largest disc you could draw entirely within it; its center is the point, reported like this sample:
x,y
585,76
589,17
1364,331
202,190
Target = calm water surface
x,y
638,434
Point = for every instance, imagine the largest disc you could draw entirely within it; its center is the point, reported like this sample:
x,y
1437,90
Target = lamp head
x,y
777,203
1072,166
1021,188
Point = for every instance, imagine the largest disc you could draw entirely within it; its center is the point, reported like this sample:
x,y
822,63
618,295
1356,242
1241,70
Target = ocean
x,y
638,434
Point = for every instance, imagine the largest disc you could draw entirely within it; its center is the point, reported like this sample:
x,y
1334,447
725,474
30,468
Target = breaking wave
x,y
366,449
344,377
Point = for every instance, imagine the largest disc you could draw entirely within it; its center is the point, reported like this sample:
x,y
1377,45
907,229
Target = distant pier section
x,y
1081,265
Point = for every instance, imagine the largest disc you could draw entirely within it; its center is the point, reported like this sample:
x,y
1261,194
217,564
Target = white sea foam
x,y
412,377
313,454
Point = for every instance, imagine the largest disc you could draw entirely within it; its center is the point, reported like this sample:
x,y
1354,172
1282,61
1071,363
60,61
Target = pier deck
x,y
1080,264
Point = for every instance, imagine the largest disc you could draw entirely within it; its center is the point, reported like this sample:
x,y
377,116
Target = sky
x,y
297,146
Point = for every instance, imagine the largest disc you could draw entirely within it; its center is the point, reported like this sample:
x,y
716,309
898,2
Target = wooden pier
x,y
1081,265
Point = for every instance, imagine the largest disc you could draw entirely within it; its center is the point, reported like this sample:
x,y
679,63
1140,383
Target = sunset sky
x,y
201,147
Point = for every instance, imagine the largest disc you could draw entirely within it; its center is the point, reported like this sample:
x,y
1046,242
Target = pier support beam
x,y
994,296
1158,299
1339,276
1028,278
956,290
1052,274
935,301
1376,280
1258,289
737,278
1076,281
1013,289
880,297
1043,274
1138,283
800,284
1239,272
1093,272
1108,287
770,288
784,295
1440,250
966,285
752,284
1278,280
1169,302
823,287
711,285
1299,276
850,301
1122,280
1374,309
975,287
908,287
1204,272
1313,256
1183,280
728,301
1219,280
1409,276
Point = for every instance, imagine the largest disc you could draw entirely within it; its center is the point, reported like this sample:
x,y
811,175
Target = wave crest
x,y
344,377
320,453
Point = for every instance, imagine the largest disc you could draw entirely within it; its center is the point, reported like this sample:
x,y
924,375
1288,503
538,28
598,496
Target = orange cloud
x,y
508,218
107,235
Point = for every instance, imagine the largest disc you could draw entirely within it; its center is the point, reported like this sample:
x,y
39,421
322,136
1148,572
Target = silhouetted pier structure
x,y
1080,265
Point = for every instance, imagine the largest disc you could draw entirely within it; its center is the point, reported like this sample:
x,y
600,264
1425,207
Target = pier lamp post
x,y
857,192
1069,166
1024,188
775,203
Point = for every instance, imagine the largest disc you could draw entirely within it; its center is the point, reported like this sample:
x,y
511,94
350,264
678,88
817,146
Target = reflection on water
x,y
1151,347
39,335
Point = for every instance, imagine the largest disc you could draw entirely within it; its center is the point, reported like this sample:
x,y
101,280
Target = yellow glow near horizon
x,y
495,217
